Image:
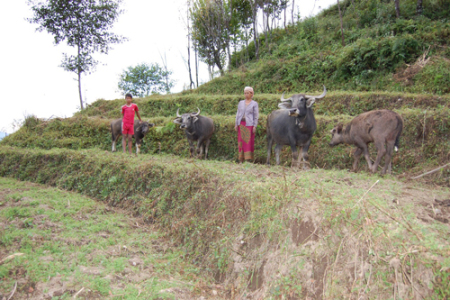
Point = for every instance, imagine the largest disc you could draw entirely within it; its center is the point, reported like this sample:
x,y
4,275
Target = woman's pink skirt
x,y
246,142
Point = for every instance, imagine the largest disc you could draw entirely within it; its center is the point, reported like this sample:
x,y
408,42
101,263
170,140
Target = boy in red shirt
x,y
128,112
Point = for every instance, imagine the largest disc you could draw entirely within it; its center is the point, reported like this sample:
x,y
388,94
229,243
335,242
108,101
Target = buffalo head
x,y
187,121
144,127
298,104
336,135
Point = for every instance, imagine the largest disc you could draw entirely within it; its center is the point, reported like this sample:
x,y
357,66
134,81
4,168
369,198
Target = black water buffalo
x,y
294,125
197,128
140,130
381,127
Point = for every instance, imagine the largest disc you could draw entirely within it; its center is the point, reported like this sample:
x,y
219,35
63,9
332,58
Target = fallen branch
x,y
366,193
13,292
431,172
8,258
74,296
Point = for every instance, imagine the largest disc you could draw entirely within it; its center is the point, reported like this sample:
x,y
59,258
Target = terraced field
x,y
239,231
424,142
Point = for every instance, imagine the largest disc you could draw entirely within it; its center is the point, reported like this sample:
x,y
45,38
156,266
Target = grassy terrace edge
x,y
424,143
334,103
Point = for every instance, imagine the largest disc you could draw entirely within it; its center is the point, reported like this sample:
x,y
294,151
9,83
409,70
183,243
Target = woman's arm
x,y
255,116
236,120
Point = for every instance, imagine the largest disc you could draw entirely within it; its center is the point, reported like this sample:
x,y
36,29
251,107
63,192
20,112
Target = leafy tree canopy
x,y
145,79
82,24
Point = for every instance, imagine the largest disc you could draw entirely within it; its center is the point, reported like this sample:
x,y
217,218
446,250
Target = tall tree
x,y
145,79
209,32
188,21
292,12
82,24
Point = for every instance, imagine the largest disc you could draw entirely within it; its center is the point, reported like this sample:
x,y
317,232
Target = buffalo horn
x,y
178,113
284,100
318,97
198,112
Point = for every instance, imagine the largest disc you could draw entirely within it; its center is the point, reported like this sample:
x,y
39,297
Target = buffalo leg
x,y
277,152
114,143
357,156
206,147
365,149
200,146
305,155
138,148
269,149
294,155
388,157
191,148
381,151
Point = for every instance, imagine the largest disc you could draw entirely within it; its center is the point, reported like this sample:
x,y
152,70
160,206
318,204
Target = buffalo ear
x,y
177,121
285,105
195,119
310,102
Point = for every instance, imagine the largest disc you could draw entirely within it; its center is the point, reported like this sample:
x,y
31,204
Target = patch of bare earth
x,y
406,75
325,259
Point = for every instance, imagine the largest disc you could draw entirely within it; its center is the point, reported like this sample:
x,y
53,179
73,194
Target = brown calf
x,y
381,127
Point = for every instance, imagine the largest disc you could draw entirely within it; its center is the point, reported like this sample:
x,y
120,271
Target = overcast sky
x,y
32,82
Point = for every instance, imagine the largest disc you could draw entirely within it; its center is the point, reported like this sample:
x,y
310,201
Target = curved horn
x,y
284,100
198,112
178,114
318,97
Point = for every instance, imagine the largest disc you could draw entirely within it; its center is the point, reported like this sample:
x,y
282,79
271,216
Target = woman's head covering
x,y
248,88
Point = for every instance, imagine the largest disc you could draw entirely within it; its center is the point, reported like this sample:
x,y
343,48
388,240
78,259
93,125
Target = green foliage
x,y
378,46
145,79
210,32
82,24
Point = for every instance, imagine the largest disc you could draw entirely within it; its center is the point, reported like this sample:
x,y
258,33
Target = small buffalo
x,y
197,128
293,125
381,127
140,130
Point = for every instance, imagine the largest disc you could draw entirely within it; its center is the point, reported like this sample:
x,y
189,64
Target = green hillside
x,y
381,52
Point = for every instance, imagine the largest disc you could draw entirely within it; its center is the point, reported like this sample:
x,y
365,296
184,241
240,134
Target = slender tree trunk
x,y
342,26
397,8
246,45
191,82
419,8
285,9
219,64
79,90
79,71
266,31
196,64
255,20
292,12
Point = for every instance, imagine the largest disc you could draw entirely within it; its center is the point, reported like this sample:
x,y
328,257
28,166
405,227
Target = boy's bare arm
x,y
139,116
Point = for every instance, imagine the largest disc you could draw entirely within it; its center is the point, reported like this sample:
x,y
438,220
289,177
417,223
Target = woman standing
x,y
246,121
